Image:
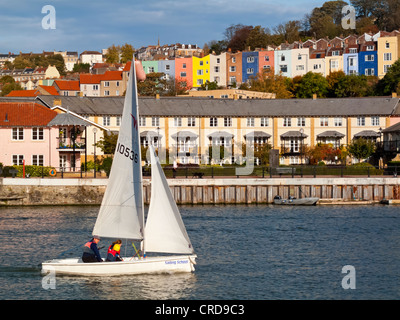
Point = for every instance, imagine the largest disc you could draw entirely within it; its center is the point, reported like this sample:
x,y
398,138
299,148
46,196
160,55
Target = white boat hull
x,y
129,266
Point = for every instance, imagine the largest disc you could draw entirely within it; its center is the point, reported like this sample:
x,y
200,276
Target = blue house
x,y
249,65
368,59
350,60
167,67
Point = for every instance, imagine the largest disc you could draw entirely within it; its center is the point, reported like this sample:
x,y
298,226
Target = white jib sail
x,y
121,214
165,231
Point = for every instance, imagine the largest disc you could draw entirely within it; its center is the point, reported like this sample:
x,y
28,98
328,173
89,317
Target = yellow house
x,y
333,60
201,70
388,53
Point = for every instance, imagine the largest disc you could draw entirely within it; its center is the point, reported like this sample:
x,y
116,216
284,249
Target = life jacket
x,y
114,250
87,249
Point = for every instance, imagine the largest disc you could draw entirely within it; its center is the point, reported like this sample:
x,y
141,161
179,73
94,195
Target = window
x,y
369,72
37,160
370,48
287,122
232,80
201,62
183,65
335,53
283,58
218,60
337,122
266,58
323,122
250,70
351,62
106,121
18,133
167,67
360,121
387,45
37,134
334,64
155,121
151,69
106,93
95,87
386,67
216,69
233,60
387,56
300,68
232,69
369,57
301,122
200,72
294,145
283,68
264,122
374,121
17,159
191,122
106,83
183,74
294,160
177,122
250,59
250,122
118,121
199,82
213,122
227,122
353,50
142,121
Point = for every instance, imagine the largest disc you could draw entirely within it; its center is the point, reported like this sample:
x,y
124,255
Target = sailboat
x,y
121,215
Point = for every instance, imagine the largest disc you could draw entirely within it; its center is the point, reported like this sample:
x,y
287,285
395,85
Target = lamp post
x,y
94,150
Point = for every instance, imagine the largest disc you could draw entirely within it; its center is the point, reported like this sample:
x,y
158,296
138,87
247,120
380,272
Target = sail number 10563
x,y
127,152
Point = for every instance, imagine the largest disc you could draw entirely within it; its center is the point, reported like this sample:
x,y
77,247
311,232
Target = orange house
x,y
184,71
233,68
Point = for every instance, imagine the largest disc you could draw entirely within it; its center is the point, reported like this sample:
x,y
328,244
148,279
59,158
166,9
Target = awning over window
x,y
367,134
257,134
184,135
293,134
219,134
150,134
330,134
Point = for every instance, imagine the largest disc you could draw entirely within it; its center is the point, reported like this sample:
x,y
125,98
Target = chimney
x,y
394,95
314,96
57,102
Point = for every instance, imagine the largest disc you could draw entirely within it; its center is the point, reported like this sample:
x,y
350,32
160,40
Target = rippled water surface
x,y
244,252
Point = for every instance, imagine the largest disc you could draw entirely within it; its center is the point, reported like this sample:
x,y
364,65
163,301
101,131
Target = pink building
x,y
265,60
35,135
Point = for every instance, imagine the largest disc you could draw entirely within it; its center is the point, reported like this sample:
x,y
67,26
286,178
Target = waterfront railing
x,y
199,172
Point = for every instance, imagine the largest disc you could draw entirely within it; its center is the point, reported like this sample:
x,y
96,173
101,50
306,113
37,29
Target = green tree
x,y
108,142
312,83
257,38
127,52
112,55
155,83
81,67
361,148
390,82
8,84
268,81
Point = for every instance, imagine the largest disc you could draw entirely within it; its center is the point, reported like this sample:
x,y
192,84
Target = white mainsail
x,y
165,231
121,213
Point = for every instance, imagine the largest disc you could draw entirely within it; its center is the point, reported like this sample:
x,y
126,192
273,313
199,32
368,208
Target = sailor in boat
x,y
114,251
91,252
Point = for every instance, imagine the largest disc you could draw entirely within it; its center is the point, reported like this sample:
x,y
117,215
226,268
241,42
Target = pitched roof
x,y
207,107
25,114
51,90
90,78
67,85
23,93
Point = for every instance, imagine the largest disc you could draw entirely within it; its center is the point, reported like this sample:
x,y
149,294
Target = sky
x,y
97,24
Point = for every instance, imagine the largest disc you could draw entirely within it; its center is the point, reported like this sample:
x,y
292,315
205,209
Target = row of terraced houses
x,y
370,55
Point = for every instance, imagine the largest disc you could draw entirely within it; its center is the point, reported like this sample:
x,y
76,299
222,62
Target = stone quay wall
x,y
53,191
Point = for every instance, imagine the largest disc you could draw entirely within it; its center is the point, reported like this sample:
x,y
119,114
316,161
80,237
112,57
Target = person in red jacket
x,y
114,251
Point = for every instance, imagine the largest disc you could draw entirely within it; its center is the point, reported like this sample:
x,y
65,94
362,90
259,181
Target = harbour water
x,y
259,252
